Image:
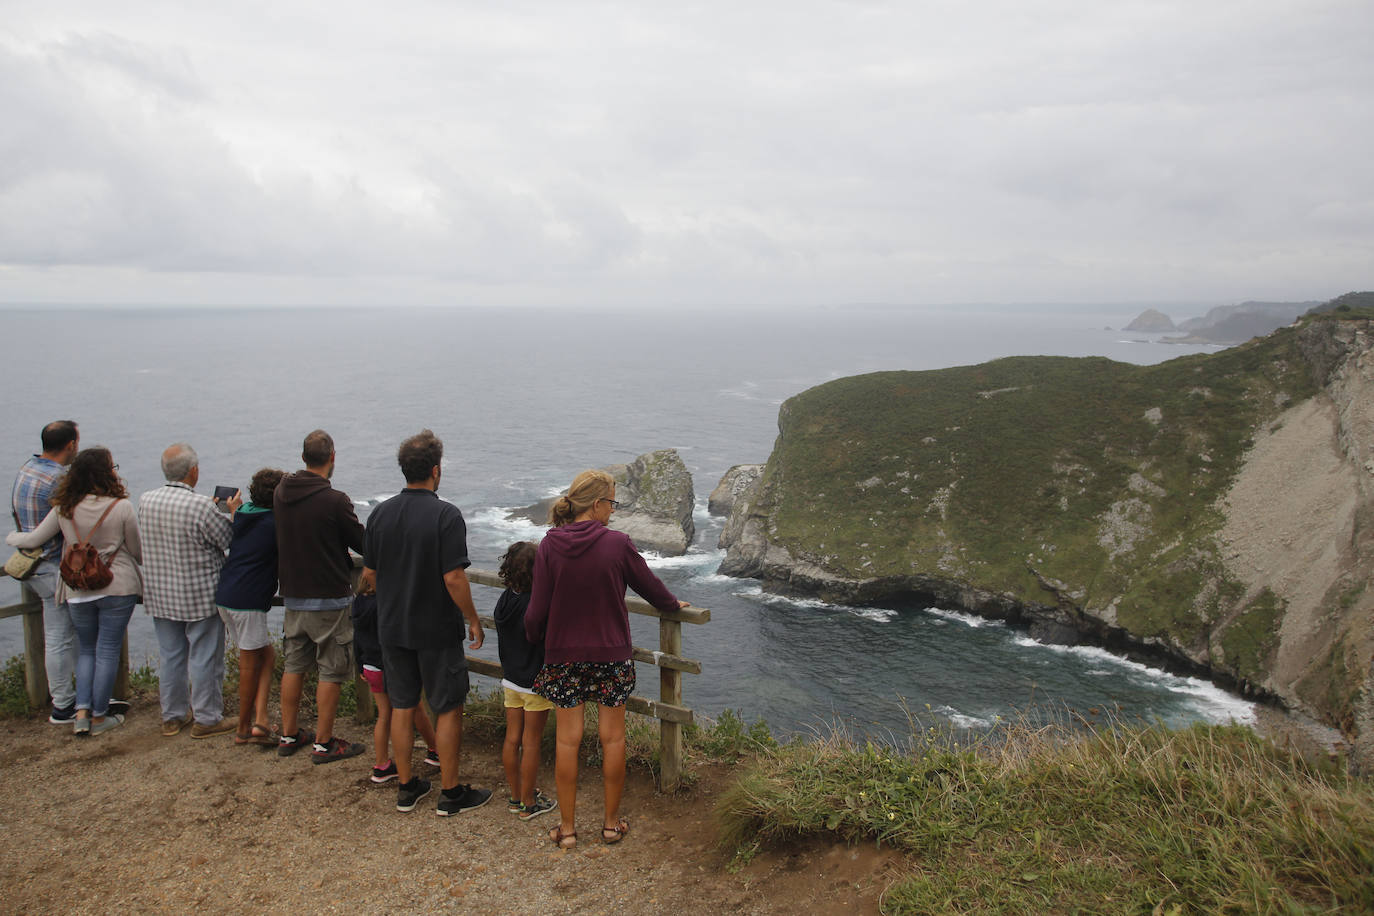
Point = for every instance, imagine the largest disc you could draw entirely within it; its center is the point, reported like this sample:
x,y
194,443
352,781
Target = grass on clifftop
x,y
1132,819
1095,473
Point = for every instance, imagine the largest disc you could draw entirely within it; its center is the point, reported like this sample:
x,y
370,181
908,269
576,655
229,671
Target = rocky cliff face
x,y
1215,512
738,480
656,497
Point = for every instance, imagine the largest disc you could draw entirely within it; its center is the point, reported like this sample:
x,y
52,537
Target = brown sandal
x,y
258,734
557,836
616,833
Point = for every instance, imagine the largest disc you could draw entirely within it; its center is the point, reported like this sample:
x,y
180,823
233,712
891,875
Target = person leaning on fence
x,y
247,584
521,661
184,541
577,610
30,502
91,506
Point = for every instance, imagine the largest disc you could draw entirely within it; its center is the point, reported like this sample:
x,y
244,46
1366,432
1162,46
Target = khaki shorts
x,y
320,639
518,699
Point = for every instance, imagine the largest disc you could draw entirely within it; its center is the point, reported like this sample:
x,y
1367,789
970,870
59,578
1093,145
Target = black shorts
x,y
441,673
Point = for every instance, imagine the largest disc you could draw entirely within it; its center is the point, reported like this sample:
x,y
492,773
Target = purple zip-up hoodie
x,y
577,604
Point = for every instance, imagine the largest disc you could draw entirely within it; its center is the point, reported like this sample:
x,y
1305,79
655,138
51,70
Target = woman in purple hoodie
x,y
577,610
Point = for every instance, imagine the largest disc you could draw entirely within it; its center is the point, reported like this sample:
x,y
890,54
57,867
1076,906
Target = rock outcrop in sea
x,y
735,482
656,502
1214,513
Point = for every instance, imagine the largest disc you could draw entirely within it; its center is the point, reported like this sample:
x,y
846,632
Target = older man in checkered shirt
x,y
185,538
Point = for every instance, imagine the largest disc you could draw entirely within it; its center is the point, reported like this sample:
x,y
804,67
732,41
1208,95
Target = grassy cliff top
x,y
1066,464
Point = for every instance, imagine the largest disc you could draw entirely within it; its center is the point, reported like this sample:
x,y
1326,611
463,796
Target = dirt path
x,y
130,821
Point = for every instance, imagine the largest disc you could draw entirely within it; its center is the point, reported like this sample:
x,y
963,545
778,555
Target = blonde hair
x,y
586,489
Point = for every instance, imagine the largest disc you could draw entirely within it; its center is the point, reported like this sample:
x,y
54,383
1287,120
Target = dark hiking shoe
x,y
335,749
461,798
289,744
63,716
408,794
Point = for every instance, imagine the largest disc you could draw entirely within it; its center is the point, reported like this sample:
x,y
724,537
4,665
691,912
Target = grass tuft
x,y
1036,819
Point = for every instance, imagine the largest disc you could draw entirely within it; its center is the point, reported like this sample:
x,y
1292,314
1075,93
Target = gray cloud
x,y
715,153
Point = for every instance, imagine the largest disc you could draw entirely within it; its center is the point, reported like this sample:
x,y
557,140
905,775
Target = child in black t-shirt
x,y
369,651
526,711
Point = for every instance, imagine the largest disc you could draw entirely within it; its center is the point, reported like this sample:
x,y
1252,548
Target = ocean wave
x,y
516,529
372,502
1210,702
960,720
875,614
689,560
968,620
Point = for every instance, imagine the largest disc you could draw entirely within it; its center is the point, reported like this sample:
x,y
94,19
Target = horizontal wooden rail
x,y
636,605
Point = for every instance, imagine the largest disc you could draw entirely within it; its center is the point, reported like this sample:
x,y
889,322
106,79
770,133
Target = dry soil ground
x,y
133,822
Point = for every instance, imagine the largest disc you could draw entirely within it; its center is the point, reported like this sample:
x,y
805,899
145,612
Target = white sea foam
x,y
373,502
968,620
960,720
516,529
1211,702
875,614
689,560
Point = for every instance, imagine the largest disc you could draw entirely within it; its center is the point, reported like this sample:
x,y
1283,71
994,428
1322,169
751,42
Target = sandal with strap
x,y
612,835
558,837
259,734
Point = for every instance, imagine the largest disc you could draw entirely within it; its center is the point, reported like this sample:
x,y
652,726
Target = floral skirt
x,y
571,683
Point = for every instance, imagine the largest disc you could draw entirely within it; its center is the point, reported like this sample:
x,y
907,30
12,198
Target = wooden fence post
x,y
35,664
670,691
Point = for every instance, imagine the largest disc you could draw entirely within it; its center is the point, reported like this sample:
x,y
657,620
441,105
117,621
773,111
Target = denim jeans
x,y
59,635
100,627
191,668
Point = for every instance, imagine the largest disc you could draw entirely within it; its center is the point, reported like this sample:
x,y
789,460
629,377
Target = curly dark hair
x,y
262,485
91,473
419,455
517,566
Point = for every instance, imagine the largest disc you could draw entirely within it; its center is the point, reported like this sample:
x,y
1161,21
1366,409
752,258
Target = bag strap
x,y
103,516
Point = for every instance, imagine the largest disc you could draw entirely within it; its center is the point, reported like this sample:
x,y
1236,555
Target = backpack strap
x,y
103,516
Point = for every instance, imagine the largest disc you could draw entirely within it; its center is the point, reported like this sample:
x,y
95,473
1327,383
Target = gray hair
x,y
178,461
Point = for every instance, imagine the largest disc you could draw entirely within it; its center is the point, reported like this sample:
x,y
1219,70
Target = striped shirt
x,y
184,541
31,495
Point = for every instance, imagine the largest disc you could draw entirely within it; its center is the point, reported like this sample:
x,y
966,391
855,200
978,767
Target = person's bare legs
x,y
448,734
381,732
403,741
530,740
611,728
510,750
267,661
569,723
425,727
248,690
291,687
326,704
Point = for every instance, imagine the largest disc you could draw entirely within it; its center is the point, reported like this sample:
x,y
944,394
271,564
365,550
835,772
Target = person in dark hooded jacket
x,y
247,584
577,610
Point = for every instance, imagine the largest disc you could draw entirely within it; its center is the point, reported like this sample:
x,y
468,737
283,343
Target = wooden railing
x,y
668,708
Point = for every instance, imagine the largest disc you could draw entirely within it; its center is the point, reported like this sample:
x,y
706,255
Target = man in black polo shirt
x,y
416,550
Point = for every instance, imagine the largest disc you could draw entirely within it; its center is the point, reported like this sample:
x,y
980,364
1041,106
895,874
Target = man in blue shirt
x,y
30,500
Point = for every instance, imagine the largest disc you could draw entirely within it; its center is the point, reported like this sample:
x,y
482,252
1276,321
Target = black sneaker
x,y
542,805
65,715
289,744
432,757
118,707
461,798
408,794
384,774
334,749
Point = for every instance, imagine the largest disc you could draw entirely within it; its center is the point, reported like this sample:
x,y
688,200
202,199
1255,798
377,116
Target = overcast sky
x,y
687,154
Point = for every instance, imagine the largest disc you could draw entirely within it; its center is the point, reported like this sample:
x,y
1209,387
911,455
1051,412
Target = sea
x,y
525,398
